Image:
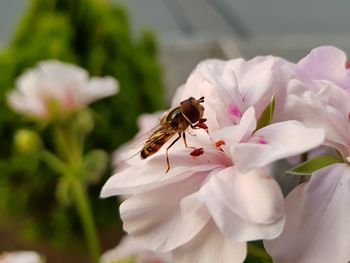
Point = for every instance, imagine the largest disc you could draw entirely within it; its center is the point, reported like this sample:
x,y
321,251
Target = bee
x,y
176,121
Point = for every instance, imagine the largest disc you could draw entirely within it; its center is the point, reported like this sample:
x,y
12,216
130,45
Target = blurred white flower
x,y
130,249
20,257
55,86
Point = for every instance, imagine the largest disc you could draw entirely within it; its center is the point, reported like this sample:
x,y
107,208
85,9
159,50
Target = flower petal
x,y
241,132
151,173
155,217
135,179
210,246
327,63
260,81
129,248
99,88
31,106
244,206
327,109
274,142
318,215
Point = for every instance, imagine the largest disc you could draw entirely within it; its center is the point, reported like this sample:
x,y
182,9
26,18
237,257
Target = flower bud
x,y
26,141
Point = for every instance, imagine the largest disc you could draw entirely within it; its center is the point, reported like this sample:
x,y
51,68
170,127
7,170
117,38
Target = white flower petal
x,y
61,81
245,206
152,173
56,70
318,215
241,132
130,248
257,91
327,63
210,246
99,88
135,179
156,219
29,106
327,109
274,142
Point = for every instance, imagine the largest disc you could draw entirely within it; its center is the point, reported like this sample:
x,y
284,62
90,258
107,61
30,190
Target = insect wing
x,y
127,151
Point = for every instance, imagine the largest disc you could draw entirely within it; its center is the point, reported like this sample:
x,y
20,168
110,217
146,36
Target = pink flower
x,y
55,86
206,207
129,250
318,215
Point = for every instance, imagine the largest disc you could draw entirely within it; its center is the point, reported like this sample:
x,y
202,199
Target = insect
x,y
188,114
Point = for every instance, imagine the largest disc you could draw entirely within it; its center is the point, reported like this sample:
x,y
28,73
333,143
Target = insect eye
x,y
190,112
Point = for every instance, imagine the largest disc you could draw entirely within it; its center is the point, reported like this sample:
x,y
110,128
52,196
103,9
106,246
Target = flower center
x,y
235,113
262,140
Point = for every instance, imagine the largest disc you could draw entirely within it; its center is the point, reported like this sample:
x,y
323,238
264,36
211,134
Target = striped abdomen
x,y
155,142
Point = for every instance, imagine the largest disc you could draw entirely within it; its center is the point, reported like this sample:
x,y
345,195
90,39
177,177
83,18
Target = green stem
x,y
67,143
54,162
84,210
70,148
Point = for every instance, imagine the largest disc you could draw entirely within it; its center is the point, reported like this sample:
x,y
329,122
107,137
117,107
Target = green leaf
x,y
267,115
310,166
257,254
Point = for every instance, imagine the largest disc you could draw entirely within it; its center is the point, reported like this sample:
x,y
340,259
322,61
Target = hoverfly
x,y
188,114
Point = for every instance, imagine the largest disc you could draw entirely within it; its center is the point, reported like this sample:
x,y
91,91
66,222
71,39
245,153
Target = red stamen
x,y
202,125
219,143
197,152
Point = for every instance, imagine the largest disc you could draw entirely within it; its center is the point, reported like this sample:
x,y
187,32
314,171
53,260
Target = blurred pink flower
x,y
55,86
318,215
206,207
128,249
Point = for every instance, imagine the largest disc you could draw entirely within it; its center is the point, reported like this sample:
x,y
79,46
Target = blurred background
x,y
190,30
150,46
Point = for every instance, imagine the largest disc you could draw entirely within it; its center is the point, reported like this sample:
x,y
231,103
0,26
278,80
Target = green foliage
x,y
310,166
256,253
267,115
96,36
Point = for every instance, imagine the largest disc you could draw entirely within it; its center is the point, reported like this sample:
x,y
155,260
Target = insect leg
x,y
184,137
201,125
166,152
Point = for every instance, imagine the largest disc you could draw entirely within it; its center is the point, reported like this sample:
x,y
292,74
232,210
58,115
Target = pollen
x,y
197,152
220,143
